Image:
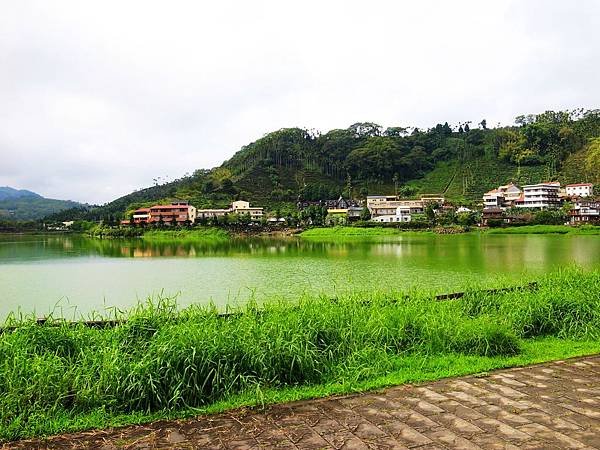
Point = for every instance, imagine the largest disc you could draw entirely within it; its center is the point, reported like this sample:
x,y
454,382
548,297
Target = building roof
x,y
549,183
169,207
493,191
142,210
579,184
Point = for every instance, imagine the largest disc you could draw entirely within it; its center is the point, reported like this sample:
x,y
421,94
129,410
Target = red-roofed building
x,y
175,213
141,215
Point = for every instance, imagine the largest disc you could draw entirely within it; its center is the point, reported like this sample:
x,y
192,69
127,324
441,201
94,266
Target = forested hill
x,y
460,161
21,204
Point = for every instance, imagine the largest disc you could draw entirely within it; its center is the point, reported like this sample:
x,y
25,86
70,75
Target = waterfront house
x,y
493,199
210,213
354,212
177,213
502,197
141,215
579,190
376,200
401,214
237,207
585,211
389,207
540,196
243,207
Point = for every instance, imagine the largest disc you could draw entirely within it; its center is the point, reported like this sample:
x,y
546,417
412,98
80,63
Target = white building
x,y
402,214
580,190
243,207
502,197
376,200
584,211
237,207
540,196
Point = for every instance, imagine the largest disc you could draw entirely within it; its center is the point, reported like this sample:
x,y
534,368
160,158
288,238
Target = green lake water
x,y
74,275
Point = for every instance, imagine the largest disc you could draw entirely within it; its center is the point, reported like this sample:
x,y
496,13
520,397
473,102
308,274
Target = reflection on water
x,y
36,272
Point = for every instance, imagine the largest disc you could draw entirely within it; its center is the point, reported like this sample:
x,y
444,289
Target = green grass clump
x,y
209,234
547,229
352,232
165,362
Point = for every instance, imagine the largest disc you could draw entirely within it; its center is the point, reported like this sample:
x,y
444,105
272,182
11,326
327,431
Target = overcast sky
x,y
98,98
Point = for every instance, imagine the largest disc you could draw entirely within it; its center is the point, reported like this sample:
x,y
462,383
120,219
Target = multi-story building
x,y
376,200
540,196
584,211
389,207
502,197
237,207
211,213
580,190
243,207
141,215
401,214
176,213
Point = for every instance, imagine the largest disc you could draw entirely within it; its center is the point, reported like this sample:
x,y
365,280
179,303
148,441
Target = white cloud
x,y
97,99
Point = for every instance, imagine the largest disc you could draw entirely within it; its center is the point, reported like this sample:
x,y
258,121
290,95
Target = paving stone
x,y
548,406
541,431
451,440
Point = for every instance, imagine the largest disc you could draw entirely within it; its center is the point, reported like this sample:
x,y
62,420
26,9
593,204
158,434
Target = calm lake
x,y
75,275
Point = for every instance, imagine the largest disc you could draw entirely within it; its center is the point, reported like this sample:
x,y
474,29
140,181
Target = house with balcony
x,y
237,207
402,214
140,216
177,213
502,197
585,212
388,205
579,190
376,200
243,207
540,196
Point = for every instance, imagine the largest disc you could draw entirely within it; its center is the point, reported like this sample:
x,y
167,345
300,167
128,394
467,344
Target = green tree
x,y
592,160
365,214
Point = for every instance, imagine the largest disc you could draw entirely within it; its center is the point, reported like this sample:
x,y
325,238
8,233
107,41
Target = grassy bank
x,y
548,229
164,363
185,235
356,232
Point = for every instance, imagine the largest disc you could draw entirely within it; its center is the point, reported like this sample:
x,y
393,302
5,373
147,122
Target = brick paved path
x,y
554,405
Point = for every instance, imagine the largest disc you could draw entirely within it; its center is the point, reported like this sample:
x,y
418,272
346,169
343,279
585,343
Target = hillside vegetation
x,y
459,162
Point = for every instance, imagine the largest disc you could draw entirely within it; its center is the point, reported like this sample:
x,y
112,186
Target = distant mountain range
x,y
21,204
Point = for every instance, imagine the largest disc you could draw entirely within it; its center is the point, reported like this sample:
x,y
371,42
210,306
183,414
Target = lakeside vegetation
x,y
347,231
163,362
382,231
187,235
547,229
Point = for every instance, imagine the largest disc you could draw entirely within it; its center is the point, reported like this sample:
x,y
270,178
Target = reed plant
x,y
159,358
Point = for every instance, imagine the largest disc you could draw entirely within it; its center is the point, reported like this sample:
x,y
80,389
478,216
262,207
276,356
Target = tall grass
x,y
210,234
547,229
164,359
351,232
